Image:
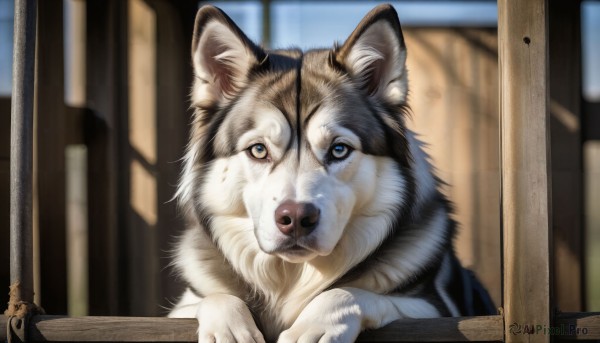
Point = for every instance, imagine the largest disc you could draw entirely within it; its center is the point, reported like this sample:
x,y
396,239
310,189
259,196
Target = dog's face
x,y
296,146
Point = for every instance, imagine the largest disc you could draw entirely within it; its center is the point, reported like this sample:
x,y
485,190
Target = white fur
x,y
340,314
187,306
408,255
211,310
366,190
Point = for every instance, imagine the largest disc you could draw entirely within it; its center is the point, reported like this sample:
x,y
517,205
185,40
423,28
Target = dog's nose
x,y
297,219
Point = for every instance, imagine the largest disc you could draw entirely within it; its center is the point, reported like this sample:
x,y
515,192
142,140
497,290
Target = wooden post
x,y
567,186
107,180
525,152
266,21
51,142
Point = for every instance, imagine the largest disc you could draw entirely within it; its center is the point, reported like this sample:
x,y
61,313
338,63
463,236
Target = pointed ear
x,y
222,57
375,55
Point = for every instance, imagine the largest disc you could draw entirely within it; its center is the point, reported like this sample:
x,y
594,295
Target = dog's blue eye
x,y
340,151
259,151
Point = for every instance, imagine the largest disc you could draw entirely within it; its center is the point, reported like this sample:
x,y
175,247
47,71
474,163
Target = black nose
x,y
296,219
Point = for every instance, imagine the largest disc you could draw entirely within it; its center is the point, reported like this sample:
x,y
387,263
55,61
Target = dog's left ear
x,y
375,55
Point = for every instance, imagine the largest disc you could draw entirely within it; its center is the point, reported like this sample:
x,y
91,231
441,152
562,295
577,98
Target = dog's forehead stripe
x,y
303,87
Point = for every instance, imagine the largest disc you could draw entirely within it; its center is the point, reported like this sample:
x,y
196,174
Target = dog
x,y
313,212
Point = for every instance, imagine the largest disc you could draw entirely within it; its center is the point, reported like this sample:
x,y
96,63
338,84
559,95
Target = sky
x,y
309,24
590,41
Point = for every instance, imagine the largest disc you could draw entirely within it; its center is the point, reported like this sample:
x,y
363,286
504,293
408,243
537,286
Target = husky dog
x,y
313,211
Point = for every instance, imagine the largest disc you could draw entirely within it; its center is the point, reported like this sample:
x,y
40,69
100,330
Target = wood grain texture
x,y
454,100
454,329
526,209
155,329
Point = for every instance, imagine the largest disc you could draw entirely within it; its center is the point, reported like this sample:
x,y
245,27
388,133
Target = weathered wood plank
x,y
152,329
175,21
454,98
523,58
143,203
456,329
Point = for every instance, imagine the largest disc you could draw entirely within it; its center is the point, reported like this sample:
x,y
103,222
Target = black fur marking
x,y
401,228
310,115
425,289
240,127
299,104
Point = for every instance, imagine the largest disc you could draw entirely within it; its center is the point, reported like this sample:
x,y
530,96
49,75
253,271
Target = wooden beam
x,y
4,196
51,143
106,97
565,123
525,151
448,329
152,329
174,29
571,326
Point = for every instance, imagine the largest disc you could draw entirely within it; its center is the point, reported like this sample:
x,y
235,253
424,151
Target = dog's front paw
x,y
313,332
224,318
332,316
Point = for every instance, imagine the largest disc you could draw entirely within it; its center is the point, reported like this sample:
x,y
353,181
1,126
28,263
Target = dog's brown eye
x,y
259,151
340,151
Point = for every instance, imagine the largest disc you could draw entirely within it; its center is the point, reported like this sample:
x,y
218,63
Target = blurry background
x,y
112,116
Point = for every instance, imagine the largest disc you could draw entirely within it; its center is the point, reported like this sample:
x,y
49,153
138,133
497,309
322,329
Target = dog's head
x,y
302,150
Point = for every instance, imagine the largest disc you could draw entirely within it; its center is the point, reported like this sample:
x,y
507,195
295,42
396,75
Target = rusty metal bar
x,y
21,154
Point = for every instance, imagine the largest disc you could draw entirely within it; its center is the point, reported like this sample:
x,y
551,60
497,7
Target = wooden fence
x,y
526,211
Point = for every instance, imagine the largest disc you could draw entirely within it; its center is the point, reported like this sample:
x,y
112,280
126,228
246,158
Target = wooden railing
x,y
527,309
567,326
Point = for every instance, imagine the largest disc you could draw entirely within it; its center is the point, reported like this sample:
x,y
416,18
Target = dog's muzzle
x,y
295,219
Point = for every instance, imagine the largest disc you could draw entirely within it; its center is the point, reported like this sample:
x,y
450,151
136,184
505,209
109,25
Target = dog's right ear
x,y
222,57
